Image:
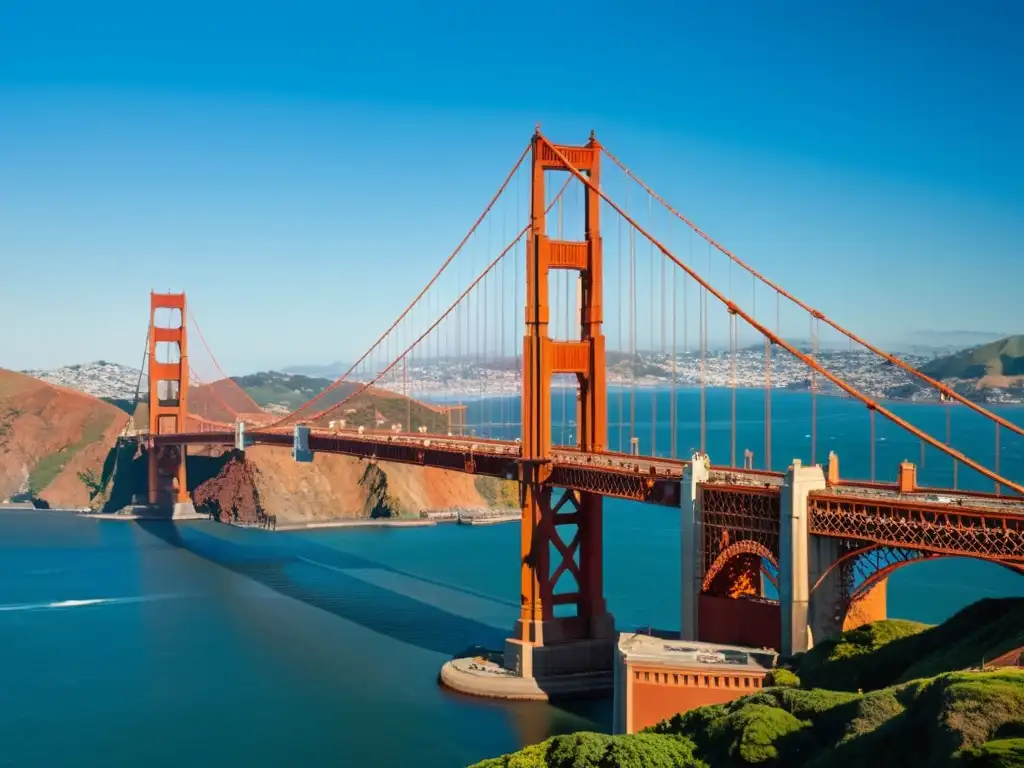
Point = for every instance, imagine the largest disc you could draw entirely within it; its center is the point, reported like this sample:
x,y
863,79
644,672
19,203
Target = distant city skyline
x,y
302,178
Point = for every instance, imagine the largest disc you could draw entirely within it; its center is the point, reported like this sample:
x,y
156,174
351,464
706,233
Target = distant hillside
x,y
284,392
331,370
999,363
281,393
941,342
288,390
100,378
51,438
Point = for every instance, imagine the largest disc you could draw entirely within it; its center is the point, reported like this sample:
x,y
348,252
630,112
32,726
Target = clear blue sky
x,y
276,159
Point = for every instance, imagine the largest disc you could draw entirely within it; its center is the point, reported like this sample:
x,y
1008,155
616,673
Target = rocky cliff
x,y
59,445
54,441
333,487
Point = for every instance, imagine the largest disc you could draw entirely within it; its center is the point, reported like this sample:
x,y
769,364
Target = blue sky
x,y
301,169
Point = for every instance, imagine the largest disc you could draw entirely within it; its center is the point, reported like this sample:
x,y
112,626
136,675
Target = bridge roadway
x,y
654,480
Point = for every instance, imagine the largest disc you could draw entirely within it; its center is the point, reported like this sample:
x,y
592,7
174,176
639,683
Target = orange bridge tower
x,y
168,402
568,631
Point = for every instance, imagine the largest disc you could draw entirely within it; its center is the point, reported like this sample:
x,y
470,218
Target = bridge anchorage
x,y
824,544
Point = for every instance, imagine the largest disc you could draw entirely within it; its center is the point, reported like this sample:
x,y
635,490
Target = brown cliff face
x,y
332,487
48,435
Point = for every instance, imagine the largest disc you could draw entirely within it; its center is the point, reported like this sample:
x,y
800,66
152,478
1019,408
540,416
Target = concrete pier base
x,y
486,676
180,511
186,510
564,660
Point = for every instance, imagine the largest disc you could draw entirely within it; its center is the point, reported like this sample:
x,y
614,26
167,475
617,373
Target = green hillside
x,y
893,651
905,704
285,389
290,391
1000,358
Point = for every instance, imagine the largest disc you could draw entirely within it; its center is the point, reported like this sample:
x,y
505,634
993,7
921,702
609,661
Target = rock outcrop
x,y
53,441
267,480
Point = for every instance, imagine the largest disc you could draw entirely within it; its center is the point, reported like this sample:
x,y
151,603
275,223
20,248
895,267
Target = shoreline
x,y
356,522
423,522
312,525
667,387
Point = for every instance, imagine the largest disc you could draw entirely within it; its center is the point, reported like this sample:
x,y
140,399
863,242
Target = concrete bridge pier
x,y
801,561
692,544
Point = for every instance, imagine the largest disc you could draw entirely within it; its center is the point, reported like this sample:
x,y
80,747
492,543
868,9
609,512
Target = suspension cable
x,y
443,267
363,387
936,384
852,391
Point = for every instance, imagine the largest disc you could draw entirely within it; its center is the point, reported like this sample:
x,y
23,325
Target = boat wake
x,y
81,603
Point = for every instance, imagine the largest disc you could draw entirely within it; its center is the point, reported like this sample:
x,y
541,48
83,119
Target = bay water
x,y
160,644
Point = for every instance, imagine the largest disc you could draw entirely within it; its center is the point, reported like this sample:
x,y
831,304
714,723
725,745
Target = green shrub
x,y
751,734
852,661
645,750
1002,753
596,750
961,718
884,653
578,750
783,678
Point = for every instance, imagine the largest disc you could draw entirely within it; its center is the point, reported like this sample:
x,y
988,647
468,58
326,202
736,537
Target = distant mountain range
x,y
330,371
941,343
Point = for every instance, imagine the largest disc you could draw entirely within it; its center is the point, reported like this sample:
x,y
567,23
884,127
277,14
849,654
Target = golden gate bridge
x,y
529,285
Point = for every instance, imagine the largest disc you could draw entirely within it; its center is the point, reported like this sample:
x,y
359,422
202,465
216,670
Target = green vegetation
x,y
48,467
595,750
933,721
1000,753
905,704
890,652
289,390
1000,358
497,492
783,678
361,411
293,390
840,663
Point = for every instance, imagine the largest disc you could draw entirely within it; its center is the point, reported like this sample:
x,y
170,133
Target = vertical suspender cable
x,y
872,412
622,347
632,329
654,392
949,435
732,347
703,362
814,394
672,403
998,487
732,376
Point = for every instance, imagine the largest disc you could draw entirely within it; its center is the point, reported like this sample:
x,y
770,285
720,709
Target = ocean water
x,y
158,643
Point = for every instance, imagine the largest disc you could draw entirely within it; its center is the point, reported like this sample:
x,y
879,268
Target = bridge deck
x,y
649,479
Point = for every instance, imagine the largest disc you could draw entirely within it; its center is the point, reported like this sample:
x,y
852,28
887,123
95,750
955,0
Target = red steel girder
x,y
944,529
620,484
735,513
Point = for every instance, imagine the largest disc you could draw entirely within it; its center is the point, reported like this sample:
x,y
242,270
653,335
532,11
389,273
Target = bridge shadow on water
x,y
278,563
